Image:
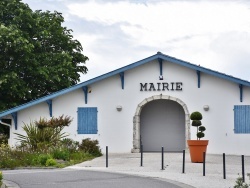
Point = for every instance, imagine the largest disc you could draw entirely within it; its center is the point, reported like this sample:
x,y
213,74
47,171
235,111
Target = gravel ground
x,y
130,163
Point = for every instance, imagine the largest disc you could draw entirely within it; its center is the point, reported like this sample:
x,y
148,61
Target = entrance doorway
x,y
162,124
137,119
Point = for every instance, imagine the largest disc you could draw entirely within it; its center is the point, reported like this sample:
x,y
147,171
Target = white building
x,y
151,99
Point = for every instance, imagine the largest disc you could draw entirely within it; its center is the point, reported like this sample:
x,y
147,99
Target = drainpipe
x,y
5,124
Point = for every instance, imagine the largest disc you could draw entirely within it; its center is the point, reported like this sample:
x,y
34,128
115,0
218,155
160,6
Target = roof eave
x,y
123,69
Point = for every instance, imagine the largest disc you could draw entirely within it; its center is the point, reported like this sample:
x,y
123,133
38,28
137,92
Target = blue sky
x,y
115,33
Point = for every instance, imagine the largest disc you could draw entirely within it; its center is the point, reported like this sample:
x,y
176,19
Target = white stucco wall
x,y
115,129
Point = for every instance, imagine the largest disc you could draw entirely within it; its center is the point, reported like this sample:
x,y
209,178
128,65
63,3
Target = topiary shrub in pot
x,y
197,147
196,118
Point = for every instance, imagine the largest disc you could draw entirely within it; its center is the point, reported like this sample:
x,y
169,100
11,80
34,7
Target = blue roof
x,y
159,55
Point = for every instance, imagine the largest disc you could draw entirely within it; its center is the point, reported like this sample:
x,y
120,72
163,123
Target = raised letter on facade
x,y
164,86
159,85
172,84
151,87
143,86
178,86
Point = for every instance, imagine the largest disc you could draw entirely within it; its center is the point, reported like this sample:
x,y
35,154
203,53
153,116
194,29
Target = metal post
x,y
106,156
141,155
243,168
140,141
224,166
183,162
162,158
204,163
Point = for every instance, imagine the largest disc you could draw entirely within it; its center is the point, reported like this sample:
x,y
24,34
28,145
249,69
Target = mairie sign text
x,y
164,86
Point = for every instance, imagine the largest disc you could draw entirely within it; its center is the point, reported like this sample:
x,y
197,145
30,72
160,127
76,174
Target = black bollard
x,y
183,162
243,168
106,156
141,155
162,158
224,166
204,163
140,141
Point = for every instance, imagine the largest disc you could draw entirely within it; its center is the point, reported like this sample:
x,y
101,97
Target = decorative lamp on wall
x,y
119,108
206,107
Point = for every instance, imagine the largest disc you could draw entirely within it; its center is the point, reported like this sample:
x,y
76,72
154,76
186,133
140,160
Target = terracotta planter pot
x,y
196,149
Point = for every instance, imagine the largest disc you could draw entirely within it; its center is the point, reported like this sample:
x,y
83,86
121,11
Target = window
x,y
242,119
87,120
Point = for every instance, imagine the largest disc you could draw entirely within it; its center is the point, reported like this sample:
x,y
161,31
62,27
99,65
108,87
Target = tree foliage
x,y
38,56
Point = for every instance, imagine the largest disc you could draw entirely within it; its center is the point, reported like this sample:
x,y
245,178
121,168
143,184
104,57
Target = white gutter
x,y
5,124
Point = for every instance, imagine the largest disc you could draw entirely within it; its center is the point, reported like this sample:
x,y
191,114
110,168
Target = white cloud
x,y
169,19
214,34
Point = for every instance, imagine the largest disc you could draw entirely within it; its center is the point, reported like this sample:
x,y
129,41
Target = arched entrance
x,y
141,112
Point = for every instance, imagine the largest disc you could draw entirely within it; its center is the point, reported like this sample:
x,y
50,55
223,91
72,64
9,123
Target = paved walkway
x,y
129,163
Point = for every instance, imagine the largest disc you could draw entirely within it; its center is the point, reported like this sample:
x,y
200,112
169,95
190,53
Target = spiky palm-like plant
x,y
44,133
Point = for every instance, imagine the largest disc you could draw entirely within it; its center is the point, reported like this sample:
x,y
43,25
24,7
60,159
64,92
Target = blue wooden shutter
x,y
242,119
87,120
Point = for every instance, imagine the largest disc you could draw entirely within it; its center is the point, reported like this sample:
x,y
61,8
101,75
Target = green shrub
x,y
50,162
200,134
5,151
240,184
90,146
43,158
3,138
196,123
202,128
9,163
63,154
80,156
1,176
35,161
196,116
23,155
70,144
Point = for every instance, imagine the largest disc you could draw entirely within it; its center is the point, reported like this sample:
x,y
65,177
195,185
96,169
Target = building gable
x,y
159,57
